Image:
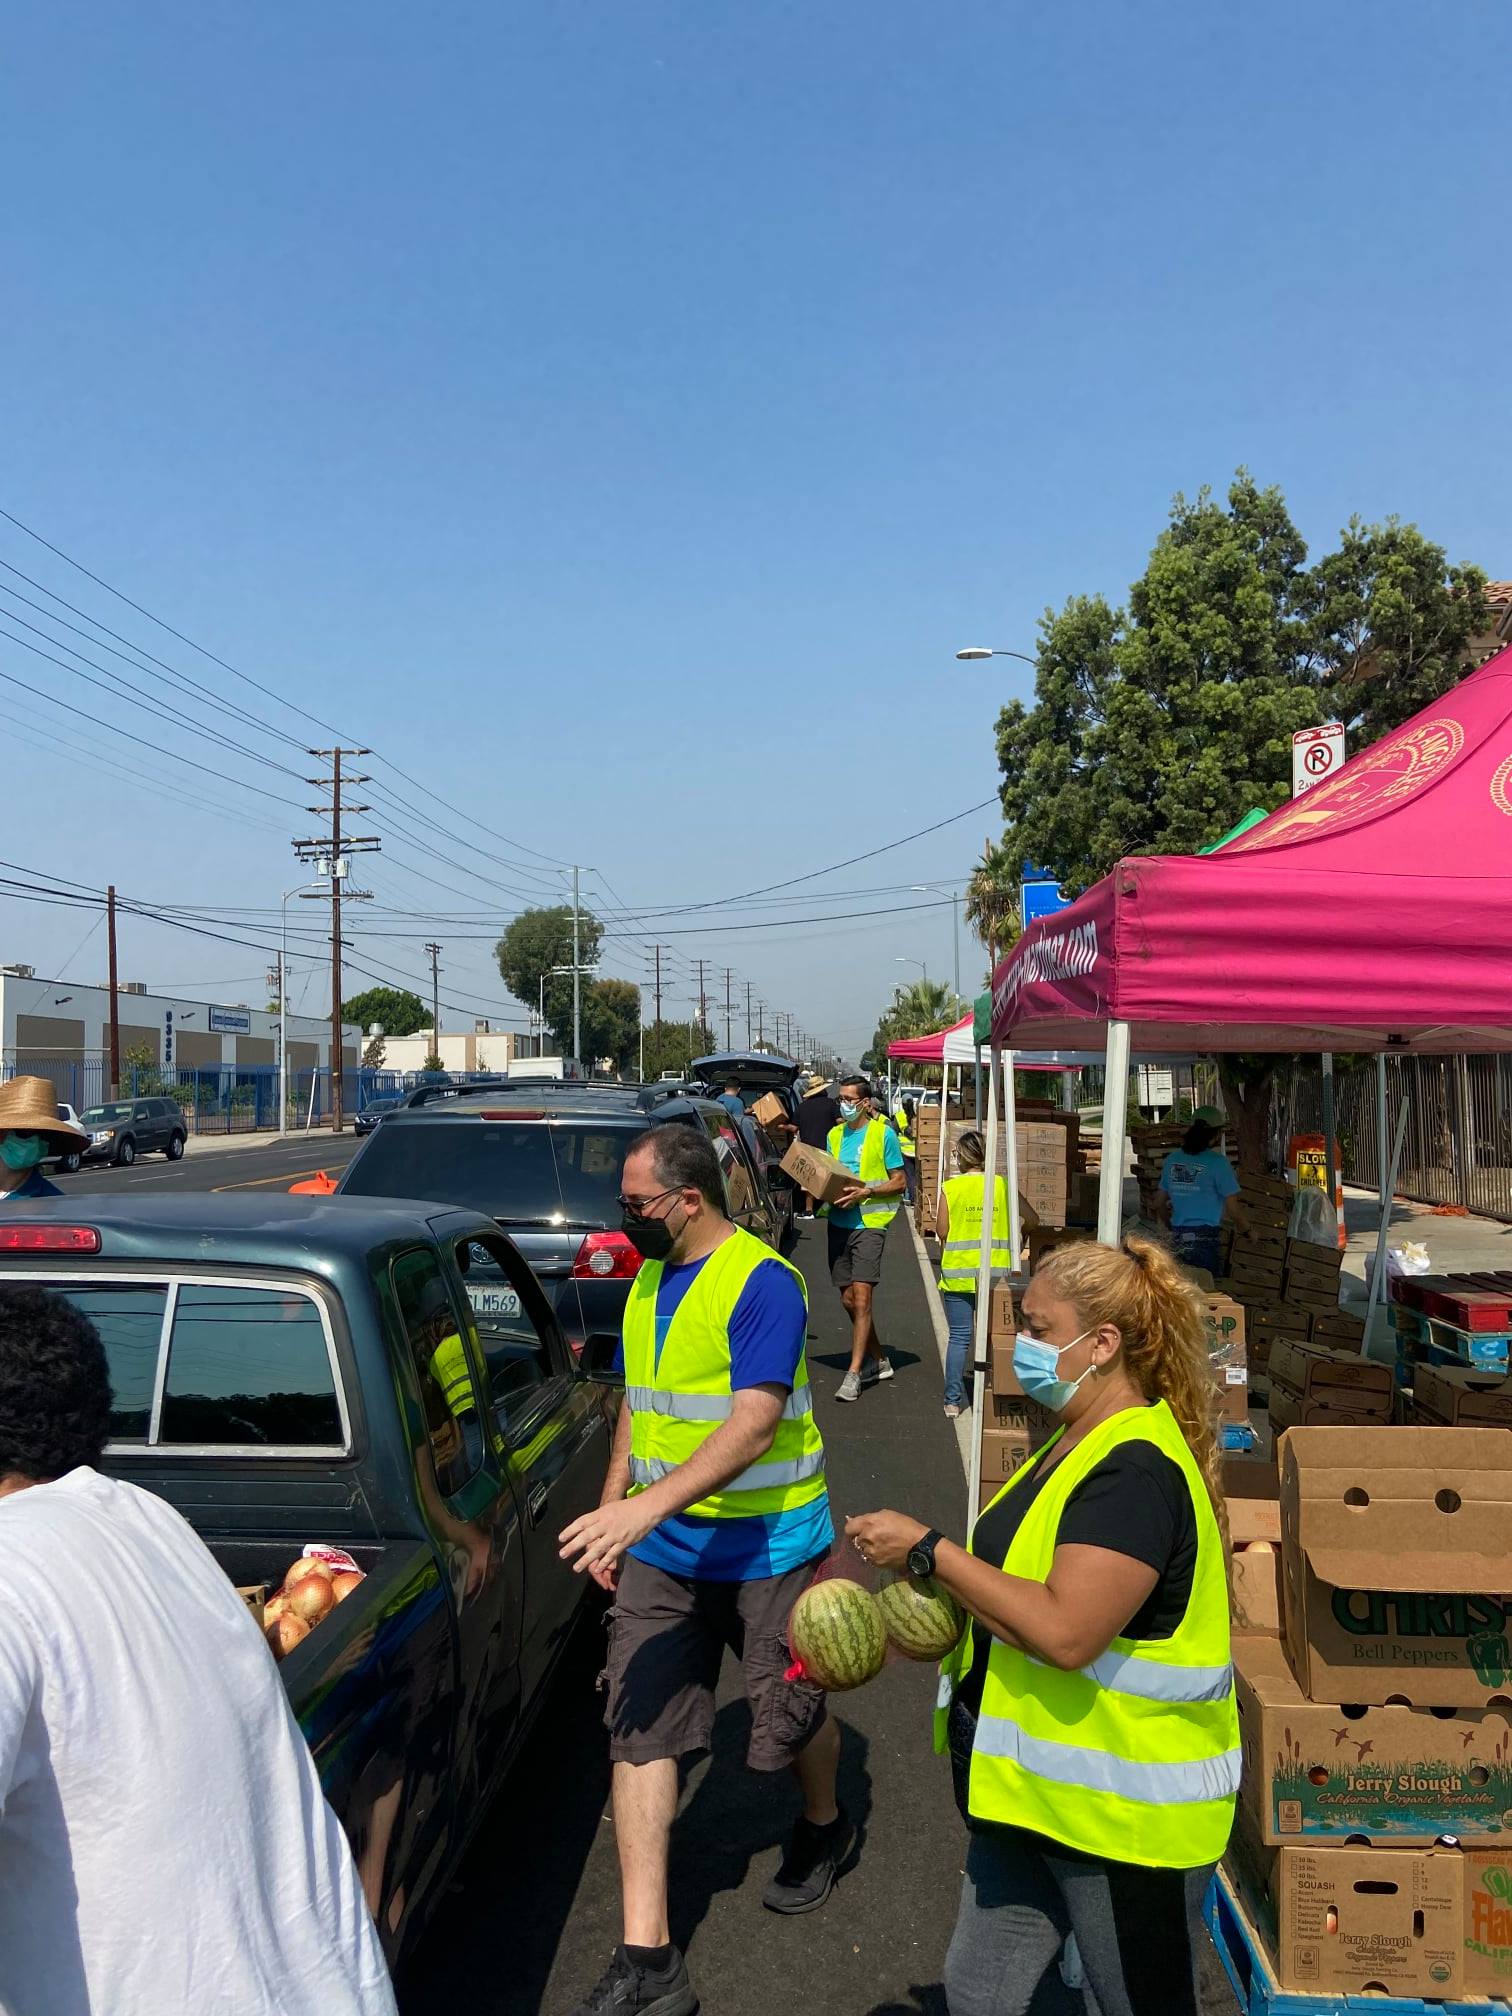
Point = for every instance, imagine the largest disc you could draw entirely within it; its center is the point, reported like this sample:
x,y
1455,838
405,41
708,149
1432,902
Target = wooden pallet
x,y
1245,1964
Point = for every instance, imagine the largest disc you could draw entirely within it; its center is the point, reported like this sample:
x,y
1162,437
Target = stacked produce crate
x,y
1370,1855
1013,1426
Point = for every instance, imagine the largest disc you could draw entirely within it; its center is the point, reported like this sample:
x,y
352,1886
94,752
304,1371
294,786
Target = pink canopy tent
x,y
955,1046
1372,913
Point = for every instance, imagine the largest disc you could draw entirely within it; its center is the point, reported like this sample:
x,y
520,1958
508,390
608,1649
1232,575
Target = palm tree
x,y
992,901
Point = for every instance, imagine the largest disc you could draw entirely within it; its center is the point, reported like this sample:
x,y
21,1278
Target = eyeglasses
x,y
638,1204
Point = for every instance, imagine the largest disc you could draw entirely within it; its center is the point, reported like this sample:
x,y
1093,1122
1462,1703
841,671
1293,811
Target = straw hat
x,y
30,1106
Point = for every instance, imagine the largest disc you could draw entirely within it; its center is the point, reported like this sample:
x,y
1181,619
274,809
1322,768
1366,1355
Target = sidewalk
x,y
269,1137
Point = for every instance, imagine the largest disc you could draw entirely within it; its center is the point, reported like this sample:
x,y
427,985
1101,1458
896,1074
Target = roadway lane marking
x,y
286,1177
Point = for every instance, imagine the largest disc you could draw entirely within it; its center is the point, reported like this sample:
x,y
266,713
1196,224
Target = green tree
x,y
611,1023
396,1011
1392,623
672,1046
532,944
919,1009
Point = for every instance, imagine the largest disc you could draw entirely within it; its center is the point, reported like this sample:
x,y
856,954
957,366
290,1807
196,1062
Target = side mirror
x,y
596,1360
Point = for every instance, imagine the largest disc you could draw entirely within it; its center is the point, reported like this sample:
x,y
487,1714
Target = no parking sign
x,y
1316,754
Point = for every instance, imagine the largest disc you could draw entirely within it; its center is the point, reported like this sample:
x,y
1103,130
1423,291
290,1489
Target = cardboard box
x,y
769,1111
1338,1327
1257,1589
1388,1774
255,1596
1354,1921
1488,1922
1251,1491
1044,1239
1337,1378
1004,1450
823,1176
1309,1253
1002,1312
1287,1409
1397,1562
1461,1395
1001,1375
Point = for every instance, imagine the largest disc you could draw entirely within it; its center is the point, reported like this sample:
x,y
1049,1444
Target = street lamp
x,y
929,889
902,959
983,651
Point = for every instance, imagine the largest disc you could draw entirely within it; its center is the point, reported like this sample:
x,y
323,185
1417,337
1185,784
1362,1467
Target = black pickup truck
x,y
389,1379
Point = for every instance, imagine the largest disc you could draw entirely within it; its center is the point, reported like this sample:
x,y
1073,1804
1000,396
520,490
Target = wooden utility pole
x,y
748,1014
115,1007
435,954
729,1012
334,854
702,1016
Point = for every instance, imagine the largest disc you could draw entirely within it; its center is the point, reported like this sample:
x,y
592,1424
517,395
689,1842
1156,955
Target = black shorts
x,y
667,1639
855,1254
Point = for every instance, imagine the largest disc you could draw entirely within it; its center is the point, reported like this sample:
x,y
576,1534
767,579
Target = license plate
x,y
493,1301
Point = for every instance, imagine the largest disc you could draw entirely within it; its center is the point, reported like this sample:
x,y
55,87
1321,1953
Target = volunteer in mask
x,y
713,1518
1198,1191
1089,1711
30,1133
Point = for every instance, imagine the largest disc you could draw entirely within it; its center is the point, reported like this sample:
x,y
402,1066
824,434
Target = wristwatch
x,y
921,1554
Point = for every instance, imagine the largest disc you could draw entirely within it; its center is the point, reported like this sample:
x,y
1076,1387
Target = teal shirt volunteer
x,y
850,1220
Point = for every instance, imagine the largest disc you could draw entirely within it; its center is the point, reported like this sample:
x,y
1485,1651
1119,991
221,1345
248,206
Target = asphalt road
x,y
271,1167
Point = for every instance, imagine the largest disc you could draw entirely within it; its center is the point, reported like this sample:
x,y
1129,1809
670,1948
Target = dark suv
x,y
544,1159
126,1128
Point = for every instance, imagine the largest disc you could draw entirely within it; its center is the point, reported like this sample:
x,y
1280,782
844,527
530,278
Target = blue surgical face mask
x,y
23,1151
849,1109
1035,1363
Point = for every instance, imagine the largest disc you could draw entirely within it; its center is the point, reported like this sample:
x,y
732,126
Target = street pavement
x,y
270,1165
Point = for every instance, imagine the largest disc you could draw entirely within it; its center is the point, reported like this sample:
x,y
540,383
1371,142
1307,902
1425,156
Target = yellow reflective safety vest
x,y
874,1210
1135,1756
900,1122
677,1402
449,1366
962,1251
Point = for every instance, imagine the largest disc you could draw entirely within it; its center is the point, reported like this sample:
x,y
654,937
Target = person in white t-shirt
x,y
165,1846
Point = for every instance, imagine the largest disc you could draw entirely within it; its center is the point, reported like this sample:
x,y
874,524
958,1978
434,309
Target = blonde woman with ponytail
x,y
1089,1709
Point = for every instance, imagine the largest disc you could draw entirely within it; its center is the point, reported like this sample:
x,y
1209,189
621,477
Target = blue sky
x,y
617,414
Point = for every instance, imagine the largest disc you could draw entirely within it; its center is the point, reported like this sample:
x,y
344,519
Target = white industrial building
x,y
51,1027
480,1048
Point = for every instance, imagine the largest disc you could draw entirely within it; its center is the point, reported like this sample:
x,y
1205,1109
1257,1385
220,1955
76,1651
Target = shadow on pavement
x,y
839,1361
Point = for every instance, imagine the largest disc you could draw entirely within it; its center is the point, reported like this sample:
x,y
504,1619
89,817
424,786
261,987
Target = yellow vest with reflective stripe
x,y
874,1169
900,1122
449,1365
1135,1756
962,1250
677,1403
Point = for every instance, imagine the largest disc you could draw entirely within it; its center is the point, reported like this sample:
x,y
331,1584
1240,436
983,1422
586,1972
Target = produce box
x,y
1390,1774
1337,1378
1308,1253
1257,1587
1397,1561
822,1175
1488,1922
1260,1243
1004,1450
1289,1409
255,1596
1339,1328
1460,1395
1340,1921
1002,1312
769,1111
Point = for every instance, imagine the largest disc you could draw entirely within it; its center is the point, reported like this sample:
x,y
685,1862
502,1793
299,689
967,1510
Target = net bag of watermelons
x,y
853,1618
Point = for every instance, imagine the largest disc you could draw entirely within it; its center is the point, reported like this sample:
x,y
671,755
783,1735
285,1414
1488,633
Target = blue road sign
x,y
1040,899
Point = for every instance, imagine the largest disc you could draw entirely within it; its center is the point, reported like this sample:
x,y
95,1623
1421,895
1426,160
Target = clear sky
x,y
616,414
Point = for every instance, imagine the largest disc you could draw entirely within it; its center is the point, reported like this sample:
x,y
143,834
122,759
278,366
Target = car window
x,y
522,1172
129,1318
442,1369
249,1366
516,1353
740,1191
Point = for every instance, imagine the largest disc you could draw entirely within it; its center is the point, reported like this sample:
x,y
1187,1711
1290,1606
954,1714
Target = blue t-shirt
x,y
36,1185
1197,1186
851,1139
767,1331
733,1104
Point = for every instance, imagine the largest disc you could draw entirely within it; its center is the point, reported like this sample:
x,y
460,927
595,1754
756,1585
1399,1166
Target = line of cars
x,y
120,1130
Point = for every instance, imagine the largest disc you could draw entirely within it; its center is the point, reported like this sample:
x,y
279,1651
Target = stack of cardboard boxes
x,y
1013,1426
1372,1849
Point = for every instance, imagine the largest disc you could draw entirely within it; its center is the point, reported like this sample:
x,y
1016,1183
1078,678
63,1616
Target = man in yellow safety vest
x,y
714,1516
958,1226
858,1222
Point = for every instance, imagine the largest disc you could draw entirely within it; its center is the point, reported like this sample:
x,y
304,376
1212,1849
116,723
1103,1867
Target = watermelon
x,y
836,1632
922,1619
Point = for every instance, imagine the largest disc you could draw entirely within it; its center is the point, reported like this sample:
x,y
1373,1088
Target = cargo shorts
x,y
855,1254
667,1640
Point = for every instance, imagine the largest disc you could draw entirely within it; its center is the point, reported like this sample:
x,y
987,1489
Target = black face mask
x,y
652,1238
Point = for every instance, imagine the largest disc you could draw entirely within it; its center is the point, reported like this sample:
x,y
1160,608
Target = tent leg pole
x,y
1115,1134
1378,1273
1330,1146
983,1296
1384,1178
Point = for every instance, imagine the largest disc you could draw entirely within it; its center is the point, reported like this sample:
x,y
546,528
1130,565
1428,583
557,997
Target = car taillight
x,y
49,1239
606,1256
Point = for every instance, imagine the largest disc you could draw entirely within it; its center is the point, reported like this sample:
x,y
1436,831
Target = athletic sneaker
x,y
850,1387
952,1412
874,1370
628,1990
811,1865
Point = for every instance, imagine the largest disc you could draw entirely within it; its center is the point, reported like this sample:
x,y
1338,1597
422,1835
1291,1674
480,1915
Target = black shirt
x,y
1134,1502
816,1116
